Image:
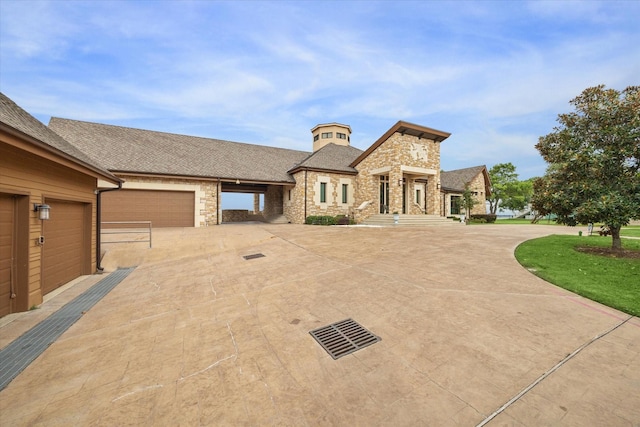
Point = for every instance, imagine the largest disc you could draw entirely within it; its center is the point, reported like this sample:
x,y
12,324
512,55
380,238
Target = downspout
x,y
305,197
99,268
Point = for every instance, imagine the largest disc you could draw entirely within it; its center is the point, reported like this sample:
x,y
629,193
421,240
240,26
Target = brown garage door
x,y
162,208
67,244
6,251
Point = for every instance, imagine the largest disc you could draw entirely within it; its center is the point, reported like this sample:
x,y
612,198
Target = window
x,y
341,135
345,188
316,137
455,205
418,198
289,195
326,135
323,192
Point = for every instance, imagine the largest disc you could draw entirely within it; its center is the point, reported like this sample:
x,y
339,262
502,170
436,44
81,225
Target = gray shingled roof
x,y
15,117
456,180
332,157
123,149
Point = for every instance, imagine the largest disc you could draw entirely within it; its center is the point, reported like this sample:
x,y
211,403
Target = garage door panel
x,y
64,251
162,208
6,246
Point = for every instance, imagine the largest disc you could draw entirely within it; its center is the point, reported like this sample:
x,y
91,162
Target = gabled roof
x,y
17,121
123,149
404,128
331,157
457,180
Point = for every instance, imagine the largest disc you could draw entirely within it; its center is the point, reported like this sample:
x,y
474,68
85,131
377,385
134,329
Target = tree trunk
x,y
616,243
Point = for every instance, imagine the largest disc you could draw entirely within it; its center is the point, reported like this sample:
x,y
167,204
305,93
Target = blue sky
x,y
494,74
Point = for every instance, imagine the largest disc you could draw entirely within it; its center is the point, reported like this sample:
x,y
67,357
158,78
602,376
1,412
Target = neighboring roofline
x,y
485,173
401,126
313,129
96,171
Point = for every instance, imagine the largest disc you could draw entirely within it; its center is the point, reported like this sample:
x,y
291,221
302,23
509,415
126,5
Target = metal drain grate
x,y
344,337
253,256
16,356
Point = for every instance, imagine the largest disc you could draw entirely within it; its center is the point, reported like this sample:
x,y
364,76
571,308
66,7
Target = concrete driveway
x,y
197,335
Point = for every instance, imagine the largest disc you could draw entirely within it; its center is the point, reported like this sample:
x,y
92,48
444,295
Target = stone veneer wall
x,y
397,151
205,193
294,208
333,205
293,199
236,215
477,185
273,201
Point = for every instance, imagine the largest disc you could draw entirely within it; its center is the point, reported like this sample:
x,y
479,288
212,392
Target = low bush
x,y
328,220
483,218
321,220
342,220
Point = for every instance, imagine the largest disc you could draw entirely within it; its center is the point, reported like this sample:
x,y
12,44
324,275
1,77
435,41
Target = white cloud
x,y
495,74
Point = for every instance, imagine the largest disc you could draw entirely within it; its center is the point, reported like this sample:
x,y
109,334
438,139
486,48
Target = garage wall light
x,y
43,211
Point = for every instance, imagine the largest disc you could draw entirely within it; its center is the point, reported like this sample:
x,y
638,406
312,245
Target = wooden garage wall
x,y
26,173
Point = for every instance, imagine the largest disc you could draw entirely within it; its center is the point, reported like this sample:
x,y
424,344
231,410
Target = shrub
x,y
482,218
320,220
342,220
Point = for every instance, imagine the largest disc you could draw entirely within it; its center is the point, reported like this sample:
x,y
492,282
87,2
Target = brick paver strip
x,y
15,357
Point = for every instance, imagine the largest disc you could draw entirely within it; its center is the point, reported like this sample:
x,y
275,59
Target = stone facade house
x,y
453,184
178,180
48,210
57,186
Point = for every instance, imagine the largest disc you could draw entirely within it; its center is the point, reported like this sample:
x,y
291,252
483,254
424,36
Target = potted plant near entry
x,y
396,217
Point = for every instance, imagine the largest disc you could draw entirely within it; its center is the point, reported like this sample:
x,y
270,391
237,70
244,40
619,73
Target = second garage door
x,y
67,248
162,208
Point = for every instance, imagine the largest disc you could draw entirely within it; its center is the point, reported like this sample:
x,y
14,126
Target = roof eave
x,y
201,177
95,171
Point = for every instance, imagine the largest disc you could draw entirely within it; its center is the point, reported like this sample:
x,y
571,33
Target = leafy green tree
x,y
594,161
468,202
506,190
518,195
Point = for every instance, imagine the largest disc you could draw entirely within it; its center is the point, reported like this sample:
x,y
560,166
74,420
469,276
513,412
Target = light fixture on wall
x,y
237,181
43,210
400,182
438,186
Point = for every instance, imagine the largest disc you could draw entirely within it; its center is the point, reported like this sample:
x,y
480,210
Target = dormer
x,y
330,133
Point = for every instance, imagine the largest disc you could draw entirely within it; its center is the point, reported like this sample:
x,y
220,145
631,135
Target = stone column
x,y
256,203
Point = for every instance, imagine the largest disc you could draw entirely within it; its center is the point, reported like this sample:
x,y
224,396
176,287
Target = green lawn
x,y
611,281
631,231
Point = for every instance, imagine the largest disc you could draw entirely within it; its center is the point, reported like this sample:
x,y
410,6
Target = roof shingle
x,y
331,157
456,180
123,149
